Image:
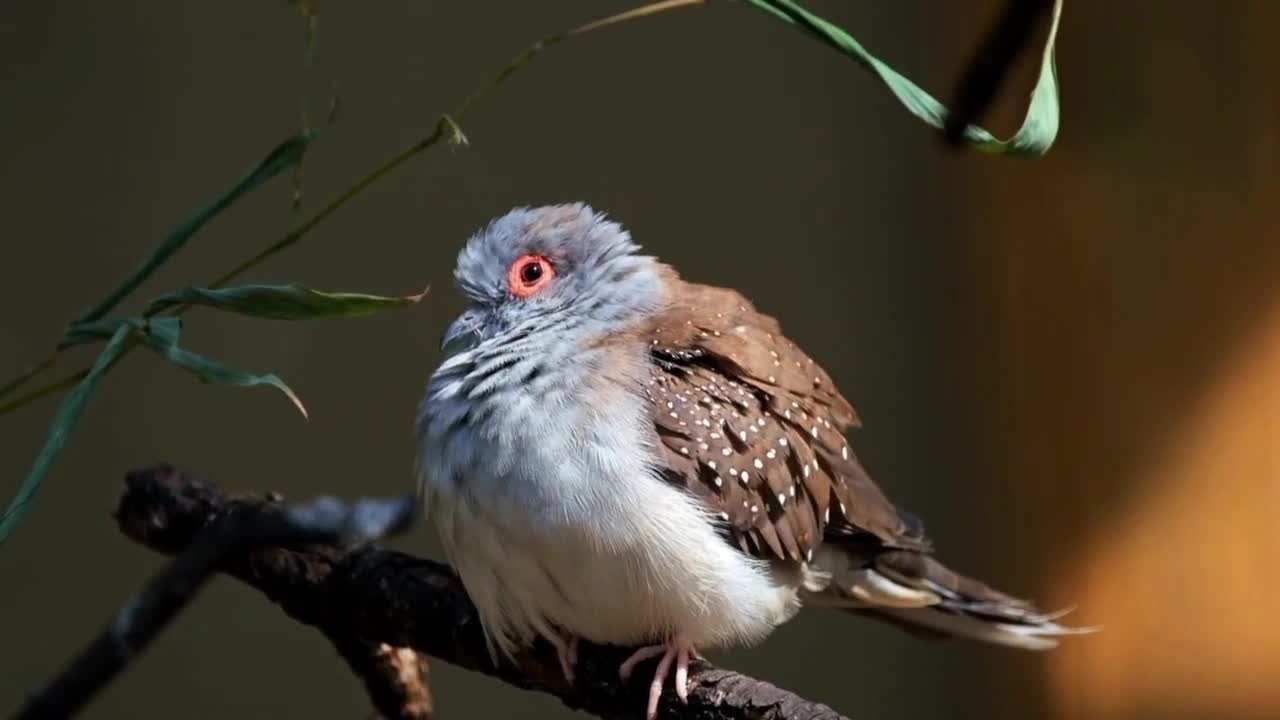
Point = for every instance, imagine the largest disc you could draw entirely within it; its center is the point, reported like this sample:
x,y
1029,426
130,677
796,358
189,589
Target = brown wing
x,y
753,426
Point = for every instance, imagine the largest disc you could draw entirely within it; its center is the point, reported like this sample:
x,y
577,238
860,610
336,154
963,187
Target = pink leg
x,y
682,675
676,651
655,687
639,656
567,652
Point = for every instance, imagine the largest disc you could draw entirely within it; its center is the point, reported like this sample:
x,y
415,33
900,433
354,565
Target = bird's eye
x,y
529,274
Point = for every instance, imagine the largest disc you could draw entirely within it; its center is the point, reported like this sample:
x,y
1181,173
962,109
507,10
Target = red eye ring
x,y
529,274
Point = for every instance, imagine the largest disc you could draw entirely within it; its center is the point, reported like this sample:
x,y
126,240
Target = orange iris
x,y
529,274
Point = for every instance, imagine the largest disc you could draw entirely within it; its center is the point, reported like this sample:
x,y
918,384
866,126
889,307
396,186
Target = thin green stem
x,y
296,234
56,386
445,128
29,374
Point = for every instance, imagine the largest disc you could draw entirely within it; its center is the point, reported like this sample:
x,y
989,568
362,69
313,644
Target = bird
x,y
611,453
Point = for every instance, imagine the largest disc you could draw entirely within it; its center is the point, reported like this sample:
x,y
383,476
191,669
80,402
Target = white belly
x,y
598,546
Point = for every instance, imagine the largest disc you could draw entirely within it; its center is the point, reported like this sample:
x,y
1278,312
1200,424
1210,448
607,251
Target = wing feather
x,y
755,428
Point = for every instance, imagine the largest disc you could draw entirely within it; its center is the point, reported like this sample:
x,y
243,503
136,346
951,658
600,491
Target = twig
x,y
227,531
990,65
369,598
445,128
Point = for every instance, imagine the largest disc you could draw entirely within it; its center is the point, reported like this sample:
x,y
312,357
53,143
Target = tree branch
x,y
381,608
213,532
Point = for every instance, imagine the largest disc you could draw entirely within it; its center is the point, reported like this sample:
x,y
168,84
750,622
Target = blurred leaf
x,y
1039,126
307,7
162,337
446,129
284,156
64,421
158,334
82,333
283,302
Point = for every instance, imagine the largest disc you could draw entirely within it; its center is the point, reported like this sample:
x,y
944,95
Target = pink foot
x,y
567,652
676,650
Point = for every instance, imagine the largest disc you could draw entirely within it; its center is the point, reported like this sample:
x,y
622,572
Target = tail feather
x,y
914,591
1028,636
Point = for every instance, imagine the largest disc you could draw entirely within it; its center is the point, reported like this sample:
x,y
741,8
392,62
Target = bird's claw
x,y
567,653
676,651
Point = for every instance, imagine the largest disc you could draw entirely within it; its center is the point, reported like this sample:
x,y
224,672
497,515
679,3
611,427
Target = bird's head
x,y
564,269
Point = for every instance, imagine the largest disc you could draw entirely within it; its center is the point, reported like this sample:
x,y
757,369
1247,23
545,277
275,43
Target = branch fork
x,y
383,611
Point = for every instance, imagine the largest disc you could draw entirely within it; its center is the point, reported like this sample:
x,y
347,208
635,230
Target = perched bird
x,y
612,453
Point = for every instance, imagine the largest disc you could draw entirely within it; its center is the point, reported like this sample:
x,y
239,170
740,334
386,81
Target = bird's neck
x,y
494,396
513,433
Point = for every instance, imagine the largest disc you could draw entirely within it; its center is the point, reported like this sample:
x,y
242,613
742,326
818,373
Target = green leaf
x,y
283,157
1039,126
64,421
162,337
158,334
283,302
83,333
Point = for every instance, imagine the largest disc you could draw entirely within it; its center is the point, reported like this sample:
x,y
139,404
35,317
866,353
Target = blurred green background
x,y
1067,365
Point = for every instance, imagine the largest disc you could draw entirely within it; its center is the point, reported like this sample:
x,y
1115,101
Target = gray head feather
x,y
600,282
517,361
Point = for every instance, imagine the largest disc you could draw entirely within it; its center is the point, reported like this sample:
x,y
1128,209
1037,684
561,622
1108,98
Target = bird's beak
x,y
468,323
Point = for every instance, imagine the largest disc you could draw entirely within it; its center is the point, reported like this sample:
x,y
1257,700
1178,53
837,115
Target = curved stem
x,y
29,374
56,386
445,128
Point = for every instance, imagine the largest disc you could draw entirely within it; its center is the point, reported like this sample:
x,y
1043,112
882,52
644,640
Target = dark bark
x,y
209,532
383,610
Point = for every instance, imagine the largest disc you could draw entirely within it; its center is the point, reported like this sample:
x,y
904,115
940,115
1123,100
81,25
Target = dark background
x,y
1067,365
